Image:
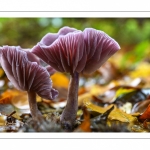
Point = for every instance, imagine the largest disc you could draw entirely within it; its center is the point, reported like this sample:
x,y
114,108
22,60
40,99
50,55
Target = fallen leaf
x,y
140,106
146,114
10,93
142,70
5,100
123,91
20,101
93,91
116,114
85,125
60,80
2,120
1,72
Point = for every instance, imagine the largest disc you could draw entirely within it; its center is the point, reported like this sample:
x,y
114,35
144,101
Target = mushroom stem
x,y
36,115
68,116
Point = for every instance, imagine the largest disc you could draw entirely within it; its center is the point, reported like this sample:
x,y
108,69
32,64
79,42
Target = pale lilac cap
x,y
25,73
76,51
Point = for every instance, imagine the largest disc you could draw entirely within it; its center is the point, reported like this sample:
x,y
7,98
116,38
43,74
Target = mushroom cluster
x,y
24,71
74,51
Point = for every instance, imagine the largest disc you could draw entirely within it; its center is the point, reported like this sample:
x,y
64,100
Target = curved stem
x,y
68,116
33,105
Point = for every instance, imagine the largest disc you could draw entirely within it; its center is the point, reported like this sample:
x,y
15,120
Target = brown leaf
x,y
146,114
140,106
85,125
5,100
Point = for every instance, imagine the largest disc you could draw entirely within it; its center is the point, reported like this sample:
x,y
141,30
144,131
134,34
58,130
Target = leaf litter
x,y
116,103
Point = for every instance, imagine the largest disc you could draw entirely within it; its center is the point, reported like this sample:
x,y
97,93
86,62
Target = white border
x,y
74,5
72,9
74,135
98,14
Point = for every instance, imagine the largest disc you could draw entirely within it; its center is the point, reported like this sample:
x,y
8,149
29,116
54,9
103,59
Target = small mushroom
x,y
23,70
75,52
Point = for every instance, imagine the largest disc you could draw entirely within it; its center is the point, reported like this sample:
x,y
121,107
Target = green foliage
x,y
128,32
28,31
139,53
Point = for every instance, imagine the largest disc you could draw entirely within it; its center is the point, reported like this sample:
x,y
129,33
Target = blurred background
x,y
133,34
28,31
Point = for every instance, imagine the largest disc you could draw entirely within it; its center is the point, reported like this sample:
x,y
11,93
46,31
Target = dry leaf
x,y
5,100
1,72
140,106
93,91
60,80
7,96
20,101
116,113
85,125
2,120
146,114
142,70
10,93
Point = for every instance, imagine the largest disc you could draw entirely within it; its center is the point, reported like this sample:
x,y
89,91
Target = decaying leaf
x,y
102,118
142,70
146,114
116,114
132,97
60,80
2,120
85,125
140,106
93,91
10,94
20,101
5,100
1,72
122,91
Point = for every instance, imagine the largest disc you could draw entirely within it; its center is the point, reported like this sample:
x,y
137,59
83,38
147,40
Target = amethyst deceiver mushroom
x,y
75,52
23,70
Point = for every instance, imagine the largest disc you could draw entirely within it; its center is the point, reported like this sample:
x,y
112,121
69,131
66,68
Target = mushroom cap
x,y
23,70
76,51
49,38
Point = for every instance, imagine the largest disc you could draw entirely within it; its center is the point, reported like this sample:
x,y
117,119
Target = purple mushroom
x,y
75,52
23,70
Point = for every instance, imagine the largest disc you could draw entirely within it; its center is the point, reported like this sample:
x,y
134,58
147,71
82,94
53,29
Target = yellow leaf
x,y
20,101
142,70
1,72
122,91
96,108
116,114
94,90
10,93
60,80
7,96
2,120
